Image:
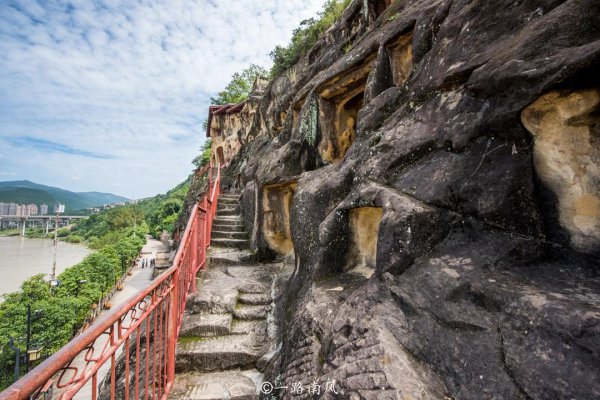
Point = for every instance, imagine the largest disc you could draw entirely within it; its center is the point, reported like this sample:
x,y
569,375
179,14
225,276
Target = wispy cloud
x,y
131,79
49,146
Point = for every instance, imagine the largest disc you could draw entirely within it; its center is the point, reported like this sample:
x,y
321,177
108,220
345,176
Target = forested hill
x,y
26,192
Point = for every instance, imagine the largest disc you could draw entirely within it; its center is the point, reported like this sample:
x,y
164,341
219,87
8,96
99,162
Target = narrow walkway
x,y
226,332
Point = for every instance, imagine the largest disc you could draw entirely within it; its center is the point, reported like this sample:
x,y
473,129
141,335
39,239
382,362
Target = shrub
x,y
305,36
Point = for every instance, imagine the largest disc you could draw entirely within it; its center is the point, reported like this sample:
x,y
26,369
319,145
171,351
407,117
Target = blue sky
x,y
110,95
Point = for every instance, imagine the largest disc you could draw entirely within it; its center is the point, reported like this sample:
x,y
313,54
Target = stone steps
x,y
218,354
231,385
251,312
234,196
225,332
226,234
256,327
235,243
228,228
206,325
231,257
255,299
226,212
228,220
228,200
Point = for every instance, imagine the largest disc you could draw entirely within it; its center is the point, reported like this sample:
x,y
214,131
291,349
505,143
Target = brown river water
x,y
21,258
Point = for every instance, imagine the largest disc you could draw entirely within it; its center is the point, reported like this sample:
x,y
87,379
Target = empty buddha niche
x,y
363,231
401,58
277,203
220,155
566,156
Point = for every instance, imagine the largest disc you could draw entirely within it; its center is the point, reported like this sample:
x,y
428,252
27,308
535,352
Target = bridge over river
x,y
45,221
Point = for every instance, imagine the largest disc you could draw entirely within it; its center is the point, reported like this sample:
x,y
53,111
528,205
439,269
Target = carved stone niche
x,y
277,202
341,98
401,58
566,155
363,231
280,119
296,111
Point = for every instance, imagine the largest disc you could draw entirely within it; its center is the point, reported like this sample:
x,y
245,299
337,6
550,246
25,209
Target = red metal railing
x,y
131,350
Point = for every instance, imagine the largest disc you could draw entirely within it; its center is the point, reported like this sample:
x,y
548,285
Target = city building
x,y
32,209
4,208
59,208
44,209
12,209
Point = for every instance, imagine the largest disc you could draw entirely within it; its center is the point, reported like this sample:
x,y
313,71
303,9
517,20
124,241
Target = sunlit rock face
x,y
566,153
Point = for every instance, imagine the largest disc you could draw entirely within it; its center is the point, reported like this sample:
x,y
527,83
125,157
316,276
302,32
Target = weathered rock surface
x,y
467,132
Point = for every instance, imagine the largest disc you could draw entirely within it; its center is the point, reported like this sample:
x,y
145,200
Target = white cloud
x,y
129,79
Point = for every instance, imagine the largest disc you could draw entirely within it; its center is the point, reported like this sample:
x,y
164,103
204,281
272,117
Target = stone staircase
x,y
228,227
225,334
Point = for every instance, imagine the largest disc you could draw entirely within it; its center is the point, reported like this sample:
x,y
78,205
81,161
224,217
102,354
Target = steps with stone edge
x,y
221,342
228,234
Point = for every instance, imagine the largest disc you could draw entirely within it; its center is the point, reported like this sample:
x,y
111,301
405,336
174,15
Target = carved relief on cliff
x,y
340,101
566,130
277,202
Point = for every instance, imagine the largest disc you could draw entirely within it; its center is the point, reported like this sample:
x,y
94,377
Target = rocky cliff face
x,y
431,170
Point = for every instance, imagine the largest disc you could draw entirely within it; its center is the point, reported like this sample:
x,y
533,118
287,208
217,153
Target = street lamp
x,y
32,354
59,208
35,353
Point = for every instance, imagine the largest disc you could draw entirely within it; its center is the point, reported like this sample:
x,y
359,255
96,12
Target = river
x,y
21,258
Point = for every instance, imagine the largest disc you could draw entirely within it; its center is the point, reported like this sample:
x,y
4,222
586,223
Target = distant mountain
x,y
30,192
21,195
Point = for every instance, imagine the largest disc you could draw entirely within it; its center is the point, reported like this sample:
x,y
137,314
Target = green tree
x,y
305,36
238,89
204,157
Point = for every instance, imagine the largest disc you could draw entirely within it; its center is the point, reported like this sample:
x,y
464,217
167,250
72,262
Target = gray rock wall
x,y
480,289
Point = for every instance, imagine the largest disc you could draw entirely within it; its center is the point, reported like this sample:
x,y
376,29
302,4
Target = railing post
x,y
194,249
173,324
207,207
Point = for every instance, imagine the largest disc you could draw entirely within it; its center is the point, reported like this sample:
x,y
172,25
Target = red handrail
x,y
146,326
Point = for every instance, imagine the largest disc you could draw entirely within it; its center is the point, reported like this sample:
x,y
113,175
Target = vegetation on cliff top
x,y
305,36
238,89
